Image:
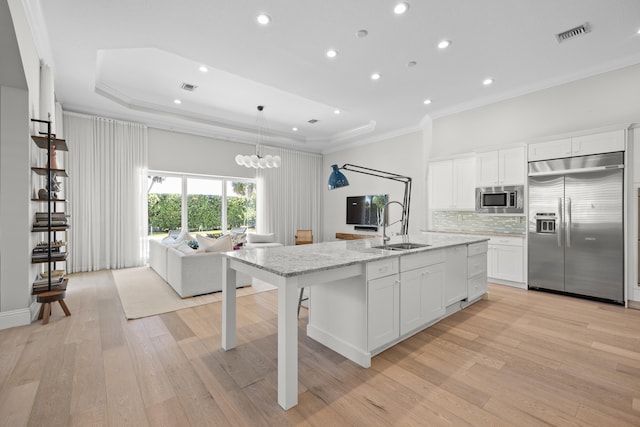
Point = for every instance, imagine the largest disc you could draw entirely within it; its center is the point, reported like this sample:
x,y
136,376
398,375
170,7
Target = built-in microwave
x,y
500,200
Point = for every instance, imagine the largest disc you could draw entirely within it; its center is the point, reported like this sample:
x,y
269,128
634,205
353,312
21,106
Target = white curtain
x,y
290,197
107,163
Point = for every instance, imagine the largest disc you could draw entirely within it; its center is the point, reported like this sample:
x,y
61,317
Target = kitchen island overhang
x,y
357,289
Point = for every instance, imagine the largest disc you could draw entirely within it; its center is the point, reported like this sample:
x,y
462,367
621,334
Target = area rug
x,y
144,293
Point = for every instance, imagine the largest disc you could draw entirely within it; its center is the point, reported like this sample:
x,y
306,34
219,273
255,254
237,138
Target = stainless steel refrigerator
x,y
576,241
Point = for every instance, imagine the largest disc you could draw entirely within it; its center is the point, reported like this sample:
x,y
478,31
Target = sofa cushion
x,y
261,238
207,244
185,248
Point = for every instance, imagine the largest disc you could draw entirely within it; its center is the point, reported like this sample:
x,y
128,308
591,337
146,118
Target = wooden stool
x,y
46,298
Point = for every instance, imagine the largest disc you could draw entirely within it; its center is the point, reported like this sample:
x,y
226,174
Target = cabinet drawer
x,y
422,259
477,286
507,241
382,268
476,264
477,248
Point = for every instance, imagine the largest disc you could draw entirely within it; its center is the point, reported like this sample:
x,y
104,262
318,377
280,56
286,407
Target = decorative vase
x,y
52,158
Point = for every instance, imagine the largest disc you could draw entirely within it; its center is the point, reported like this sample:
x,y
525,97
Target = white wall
x,y
15,239
402,155
597,101
19,100
180,152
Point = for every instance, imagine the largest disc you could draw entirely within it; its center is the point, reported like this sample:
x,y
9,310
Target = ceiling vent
x,y
313,121
573,33
188,86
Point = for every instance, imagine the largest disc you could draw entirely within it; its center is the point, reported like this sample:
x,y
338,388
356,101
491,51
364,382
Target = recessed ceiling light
x,y
362,34
332,53
177,101
427,101
444,44
487,82
204,69
401,8
375,76
263,19
638,30
336,112
294,129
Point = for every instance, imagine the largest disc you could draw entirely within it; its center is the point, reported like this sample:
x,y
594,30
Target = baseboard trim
x,y
13,318
352,353
633,304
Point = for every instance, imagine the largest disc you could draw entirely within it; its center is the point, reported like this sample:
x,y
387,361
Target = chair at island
x,y
303,237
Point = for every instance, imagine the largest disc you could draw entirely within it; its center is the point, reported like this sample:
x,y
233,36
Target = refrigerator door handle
x,y
568,222
560,219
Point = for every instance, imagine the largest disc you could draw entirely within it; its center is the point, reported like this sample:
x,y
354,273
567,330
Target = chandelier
x,y
258,161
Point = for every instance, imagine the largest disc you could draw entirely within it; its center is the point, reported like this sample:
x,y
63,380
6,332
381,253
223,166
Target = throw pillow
x,y
261,238
185,249
223,244
184,236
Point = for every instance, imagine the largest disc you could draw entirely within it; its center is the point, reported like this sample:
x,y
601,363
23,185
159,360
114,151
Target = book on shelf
x,y
56,285
54,274
58,227
54,244
45,280
45,250
53,255
55,215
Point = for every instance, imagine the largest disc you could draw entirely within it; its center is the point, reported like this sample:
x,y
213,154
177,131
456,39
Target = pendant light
x,y
257,160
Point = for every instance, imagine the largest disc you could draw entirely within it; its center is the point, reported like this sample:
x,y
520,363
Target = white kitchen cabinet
x,y
476,270
452,184
505,259
421,290
501,167
383,310
455,275
604,142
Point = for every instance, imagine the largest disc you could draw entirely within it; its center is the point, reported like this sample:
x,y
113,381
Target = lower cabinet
x,y
407,293
421,297
383,310
455,275
476,270
506,259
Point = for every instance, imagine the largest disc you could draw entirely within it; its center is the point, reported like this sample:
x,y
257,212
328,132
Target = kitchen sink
x,y
401,246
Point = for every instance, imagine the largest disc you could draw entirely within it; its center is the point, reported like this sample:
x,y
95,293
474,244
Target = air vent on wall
x,y
572,33
188,86
313,121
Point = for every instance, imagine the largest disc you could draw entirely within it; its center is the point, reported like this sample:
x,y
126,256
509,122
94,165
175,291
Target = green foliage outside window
x,y
204,212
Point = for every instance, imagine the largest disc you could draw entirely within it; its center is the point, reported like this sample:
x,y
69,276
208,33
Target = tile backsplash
x,y
461,221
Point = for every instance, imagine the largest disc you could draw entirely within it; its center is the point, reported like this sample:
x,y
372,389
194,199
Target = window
x,y
199,204
164,196
204,206
241,204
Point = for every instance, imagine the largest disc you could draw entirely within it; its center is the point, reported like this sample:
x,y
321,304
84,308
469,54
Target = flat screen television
x,y
366,210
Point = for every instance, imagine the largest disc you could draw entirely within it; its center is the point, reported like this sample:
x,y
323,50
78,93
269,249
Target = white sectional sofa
x,y
189,273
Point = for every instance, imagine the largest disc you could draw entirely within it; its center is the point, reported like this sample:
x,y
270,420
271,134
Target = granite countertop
x,y
290,261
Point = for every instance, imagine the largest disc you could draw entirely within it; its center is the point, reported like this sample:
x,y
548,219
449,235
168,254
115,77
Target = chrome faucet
x,y
386,238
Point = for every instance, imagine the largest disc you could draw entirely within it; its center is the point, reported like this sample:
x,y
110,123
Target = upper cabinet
x,y
452,184
501,167
605,142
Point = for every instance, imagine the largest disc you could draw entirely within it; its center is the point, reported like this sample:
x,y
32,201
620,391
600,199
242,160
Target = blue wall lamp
x,y
338,180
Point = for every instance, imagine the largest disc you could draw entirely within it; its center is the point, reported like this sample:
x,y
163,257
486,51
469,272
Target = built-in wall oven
x,y
500,200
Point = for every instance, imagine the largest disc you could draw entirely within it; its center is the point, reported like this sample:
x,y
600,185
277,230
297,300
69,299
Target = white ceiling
x,y
127,59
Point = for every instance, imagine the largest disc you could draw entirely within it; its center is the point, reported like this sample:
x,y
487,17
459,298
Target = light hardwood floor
x,y
520,358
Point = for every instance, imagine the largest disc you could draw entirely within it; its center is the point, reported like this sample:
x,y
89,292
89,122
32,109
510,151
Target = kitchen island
x,y
363,298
